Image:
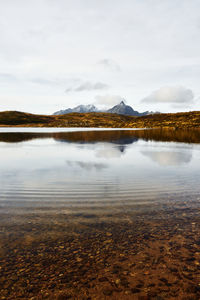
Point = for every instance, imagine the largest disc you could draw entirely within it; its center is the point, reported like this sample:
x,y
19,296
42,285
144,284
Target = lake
x,y
99,214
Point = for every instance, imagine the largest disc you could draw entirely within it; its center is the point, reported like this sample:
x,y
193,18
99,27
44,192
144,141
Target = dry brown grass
x,y
176,120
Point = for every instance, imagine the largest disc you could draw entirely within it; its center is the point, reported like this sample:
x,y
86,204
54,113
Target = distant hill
x,y
120,109
97,119
11,118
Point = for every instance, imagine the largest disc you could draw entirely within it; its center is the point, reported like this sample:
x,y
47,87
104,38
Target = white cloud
x,y
87,86
170,94
110,64
108,100
7,77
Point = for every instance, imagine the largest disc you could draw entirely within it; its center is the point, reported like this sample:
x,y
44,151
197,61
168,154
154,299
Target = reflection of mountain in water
x,y
112,136
122,148
120,137
110,151
169,158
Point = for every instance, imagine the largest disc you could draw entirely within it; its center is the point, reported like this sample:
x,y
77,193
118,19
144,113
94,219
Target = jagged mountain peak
x,y
123,109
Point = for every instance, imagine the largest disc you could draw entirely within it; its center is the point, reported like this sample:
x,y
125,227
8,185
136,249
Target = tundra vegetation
x,y
95,119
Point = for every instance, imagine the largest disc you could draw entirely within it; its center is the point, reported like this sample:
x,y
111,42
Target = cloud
x,y
87,86
168,158
7,76
108,100
170,94
109,64
43,81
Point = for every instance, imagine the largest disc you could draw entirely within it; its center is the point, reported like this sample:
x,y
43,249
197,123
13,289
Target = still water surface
x,y
95,170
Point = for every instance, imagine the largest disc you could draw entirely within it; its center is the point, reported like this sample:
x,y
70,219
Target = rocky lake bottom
x,y
135,256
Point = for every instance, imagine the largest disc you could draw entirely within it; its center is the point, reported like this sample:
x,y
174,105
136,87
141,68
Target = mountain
x,y
120,109
79,109
123,109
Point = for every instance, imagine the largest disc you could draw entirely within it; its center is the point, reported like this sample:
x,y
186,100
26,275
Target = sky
x,y
56,54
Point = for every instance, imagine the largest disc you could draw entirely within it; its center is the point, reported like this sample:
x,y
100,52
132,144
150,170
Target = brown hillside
x,y
177,120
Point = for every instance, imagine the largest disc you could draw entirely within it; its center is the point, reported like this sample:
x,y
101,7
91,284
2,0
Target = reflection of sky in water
x,y
45,169
169,158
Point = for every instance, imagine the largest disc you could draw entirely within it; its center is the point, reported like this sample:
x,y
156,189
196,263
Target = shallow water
x,y
88,199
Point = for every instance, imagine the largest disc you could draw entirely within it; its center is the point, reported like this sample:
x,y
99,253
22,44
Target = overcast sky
x,y
56,54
